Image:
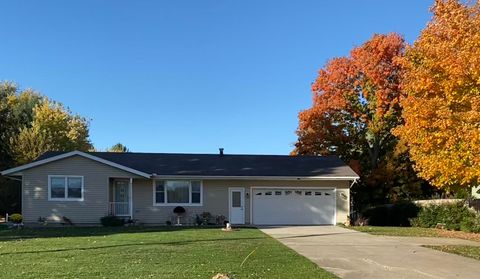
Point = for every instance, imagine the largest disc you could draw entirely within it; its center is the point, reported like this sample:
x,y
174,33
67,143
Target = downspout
x,y
353,183
351,213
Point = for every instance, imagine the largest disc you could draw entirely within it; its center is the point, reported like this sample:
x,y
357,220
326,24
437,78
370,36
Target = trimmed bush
x,y
16,218
398,214
470,225
112,221
451,216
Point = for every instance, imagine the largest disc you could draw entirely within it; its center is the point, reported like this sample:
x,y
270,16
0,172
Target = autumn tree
x,y
442,103
118,148
30,124
16,108
53,128
356,103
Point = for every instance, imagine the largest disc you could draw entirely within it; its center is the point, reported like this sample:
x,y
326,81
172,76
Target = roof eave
x,y
245,177
17,170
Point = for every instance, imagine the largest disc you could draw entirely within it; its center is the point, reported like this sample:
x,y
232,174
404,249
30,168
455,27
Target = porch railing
x,y
119,208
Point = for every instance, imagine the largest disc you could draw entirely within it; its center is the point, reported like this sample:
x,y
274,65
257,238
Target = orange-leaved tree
x,y
356,103
442,103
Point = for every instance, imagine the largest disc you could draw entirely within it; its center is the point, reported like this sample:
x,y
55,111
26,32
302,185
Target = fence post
x,y
6,217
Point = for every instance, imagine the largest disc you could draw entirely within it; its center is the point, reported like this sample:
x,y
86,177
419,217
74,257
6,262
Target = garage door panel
x,y
293,206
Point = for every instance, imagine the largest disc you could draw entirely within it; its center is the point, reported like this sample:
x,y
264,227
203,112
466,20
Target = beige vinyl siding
x,y
215,198
96,176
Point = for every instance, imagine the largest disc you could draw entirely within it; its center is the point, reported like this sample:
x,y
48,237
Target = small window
x,y
278,193
288,193
268,193
258,194
196,191
159,192
308,193
327,194
65,188
318,193
298,192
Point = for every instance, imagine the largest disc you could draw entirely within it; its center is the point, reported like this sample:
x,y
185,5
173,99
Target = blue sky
x,y
189,76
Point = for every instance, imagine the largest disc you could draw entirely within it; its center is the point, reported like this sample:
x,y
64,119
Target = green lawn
x,y
467,251
398,231
137,252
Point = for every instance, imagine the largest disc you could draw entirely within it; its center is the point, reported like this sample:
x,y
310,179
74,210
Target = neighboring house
x,y
246,189
476,192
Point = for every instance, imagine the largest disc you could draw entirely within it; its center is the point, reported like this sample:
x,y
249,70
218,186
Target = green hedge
x,y
454,216
398,214
112,221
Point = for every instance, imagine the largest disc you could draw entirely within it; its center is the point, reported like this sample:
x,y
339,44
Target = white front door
x,y
236,201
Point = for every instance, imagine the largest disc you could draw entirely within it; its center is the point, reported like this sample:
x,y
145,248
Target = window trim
x,y
165,203
66,198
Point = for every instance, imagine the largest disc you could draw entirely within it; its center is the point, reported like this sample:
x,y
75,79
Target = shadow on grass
x,y
171,243
28,233
314,235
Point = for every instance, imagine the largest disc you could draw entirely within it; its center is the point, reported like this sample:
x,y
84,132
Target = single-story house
x,y
244,189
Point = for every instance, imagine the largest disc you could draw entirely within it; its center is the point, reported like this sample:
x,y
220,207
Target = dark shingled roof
x,y
226,165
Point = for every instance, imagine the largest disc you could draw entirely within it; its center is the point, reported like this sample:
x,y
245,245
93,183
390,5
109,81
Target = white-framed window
x,y
177,192
65,188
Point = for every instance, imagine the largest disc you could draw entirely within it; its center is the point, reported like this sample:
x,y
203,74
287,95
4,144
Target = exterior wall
x,y
96,175
215,199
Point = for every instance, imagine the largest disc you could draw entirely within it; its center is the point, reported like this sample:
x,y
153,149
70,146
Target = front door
x,y
122,197
237,205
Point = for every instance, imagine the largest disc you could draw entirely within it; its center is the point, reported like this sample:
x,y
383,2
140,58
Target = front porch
x,y
120,197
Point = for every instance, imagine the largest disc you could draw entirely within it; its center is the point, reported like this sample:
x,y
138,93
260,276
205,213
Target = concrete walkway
x,y
352,254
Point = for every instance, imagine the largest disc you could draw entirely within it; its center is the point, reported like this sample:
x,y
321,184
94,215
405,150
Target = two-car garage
x,y
293,206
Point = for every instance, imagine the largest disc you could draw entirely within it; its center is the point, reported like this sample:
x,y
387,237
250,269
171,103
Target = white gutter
x,y
216,177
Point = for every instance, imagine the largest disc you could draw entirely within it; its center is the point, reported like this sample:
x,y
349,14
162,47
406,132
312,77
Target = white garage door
x,y
295,206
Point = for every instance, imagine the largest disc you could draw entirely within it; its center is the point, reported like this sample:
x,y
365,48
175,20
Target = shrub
x,y
470,225
112,221
391,214
451,215
16,218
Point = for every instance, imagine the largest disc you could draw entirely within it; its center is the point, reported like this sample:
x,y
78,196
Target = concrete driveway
x,y
352,254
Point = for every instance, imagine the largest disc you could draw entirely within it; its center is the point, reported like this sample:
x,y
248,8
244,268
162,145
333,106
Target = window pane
x,y
57,187
159,192
236,199
159,186
160,197
178,191
195,186
74,187
195,197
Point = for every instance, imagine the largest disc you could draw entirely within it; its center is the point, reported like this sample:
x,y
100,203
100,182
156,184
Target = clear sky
x,y
189,76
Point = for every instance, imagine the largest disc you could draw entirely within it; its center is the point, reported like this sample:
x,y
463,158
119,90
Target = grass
x,y
462,250
137,252
398,231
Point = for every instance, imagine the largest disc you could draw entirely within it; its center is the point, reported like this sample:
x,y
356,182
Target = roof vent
x,y
221,151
